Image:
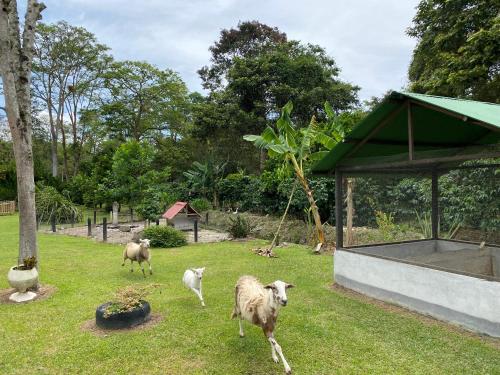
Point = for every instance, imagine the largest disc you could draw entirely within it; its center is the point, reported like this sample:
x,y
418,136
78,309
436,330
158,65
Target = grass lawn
x,y
321,331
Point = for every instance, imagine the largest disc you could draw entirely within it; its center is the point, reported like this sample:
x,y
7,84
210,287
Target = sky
x,y
366,38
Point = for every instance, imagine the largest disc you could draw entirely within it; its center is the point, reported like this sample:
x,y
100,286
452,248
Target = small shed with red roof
x,y
182,216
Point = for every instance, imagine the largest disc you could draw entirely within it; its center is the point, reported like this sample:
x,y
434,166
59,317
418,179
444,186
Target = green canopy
x,y
410,130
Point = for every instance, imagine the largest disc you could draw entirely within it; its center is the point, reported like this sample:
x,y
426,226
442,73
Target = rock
x,y
137,236
124,228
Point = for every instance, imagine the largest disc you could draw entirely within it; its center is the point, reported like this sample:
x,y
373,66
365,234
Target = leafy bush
x,y
50,203
129,298
239,227
154,203
201,204
389,230
28,264
165,236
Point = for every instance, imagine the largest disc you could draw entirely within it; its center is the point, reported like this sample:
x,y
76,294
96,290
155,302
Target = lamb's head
x,y
198,272
279,291
145,243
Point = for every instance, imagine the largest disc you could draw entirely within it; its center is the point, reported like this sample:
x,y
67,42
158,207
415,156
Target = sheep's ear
x,y
192,270
203,269
289,286
270,286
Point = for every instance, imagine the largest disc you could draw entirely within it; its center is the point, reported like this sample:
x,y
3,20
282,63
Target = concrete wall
x,y
457,256
468,301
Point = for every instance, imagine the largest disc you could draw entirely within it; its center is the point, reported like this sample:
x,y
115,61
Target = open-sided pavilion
x,y
422,135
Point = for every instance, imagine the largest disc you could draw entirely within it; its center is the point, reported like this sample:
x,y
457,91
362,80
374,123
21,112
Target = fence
x,y
7,207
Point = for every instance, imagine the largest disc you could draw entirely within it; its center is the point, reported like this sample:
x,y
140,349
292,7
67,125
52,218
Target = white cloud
x,y
366,37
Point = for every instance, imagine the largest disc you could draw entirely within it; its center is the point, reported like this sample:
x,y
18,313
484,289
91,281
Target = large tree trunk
x,y
350,211
53,137
15,70
314,208
65,151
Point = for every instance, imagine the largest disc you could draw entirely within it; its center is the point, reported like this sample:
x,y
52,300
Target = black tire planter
x,y
124,319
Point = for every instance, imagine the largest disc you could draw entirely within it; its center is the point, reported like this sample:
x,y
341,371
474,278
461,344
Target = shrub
x,y
239,227
201,204
165,236
129,298
50,203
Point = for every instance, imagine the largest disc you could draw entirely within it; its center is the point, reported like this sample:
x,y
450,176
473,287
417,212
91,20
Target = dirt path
x,y
116,236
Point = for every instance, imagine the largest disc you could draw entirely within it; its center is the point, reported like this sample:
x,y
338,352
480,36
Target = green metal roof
x,y
442,127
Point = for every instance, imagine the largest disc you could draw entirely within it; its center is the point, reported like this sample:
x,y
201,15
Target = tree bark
x,y
350,211
15,69
314,208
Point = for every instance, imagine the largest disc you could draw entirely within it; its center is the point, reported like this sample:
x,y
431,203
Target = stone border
x,y
90,326
43,292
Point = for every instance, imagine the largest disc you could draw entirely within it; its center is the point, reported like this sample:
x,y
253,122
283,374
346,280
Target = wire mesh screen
x,y
386,208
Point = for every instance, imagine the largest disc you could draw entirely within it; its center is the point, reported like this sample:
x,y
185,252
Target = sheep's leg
x,y
131,265
142,268
277,348
150,269
198,293
242,334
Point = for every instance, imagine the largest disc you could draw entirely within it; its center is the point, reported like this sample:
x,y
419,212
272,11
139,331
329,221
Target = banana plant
x,y
293,146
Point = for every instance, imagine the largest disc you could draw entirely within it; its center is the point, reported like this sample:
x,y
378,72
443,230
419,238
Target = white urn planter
x,y
22,280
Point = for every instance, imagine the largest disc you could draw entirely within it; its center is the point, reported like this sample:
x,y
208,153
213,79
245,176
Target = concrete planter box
x,y
451,281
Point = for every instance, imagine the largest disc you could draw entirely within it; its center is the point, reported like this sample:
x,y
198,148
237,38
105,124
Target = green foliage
x,y
129,298
50,203
457,49
154,203
205,178
390,231
200,204
239,227
165,236
144,102
28,264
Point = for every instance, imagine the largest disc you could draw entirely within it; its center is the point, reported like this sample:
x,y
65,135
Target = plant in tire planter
x,y
128,309
23,277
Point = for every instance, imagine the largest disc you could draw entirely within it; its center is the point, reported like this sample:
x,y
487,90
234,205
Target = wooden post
x,y
196,231
350,212
206,218
53,223
435,205
89,227
157,222
410,133
131,215
339,227
72,220
104,229
95,217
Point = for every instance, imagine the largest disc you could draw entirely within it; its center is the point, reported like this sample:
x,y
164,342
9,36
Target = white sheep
x,y
139,253
259,305
192,280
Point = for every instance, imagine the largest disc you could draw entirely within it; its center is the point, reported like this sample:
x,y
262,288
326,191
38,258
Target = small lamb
x,y
192,280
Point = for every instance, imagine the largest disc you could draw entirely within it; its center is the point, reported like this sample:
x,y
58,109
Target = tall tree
x,y
67,78
255,71
16,56
248,39
144,102
458,49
